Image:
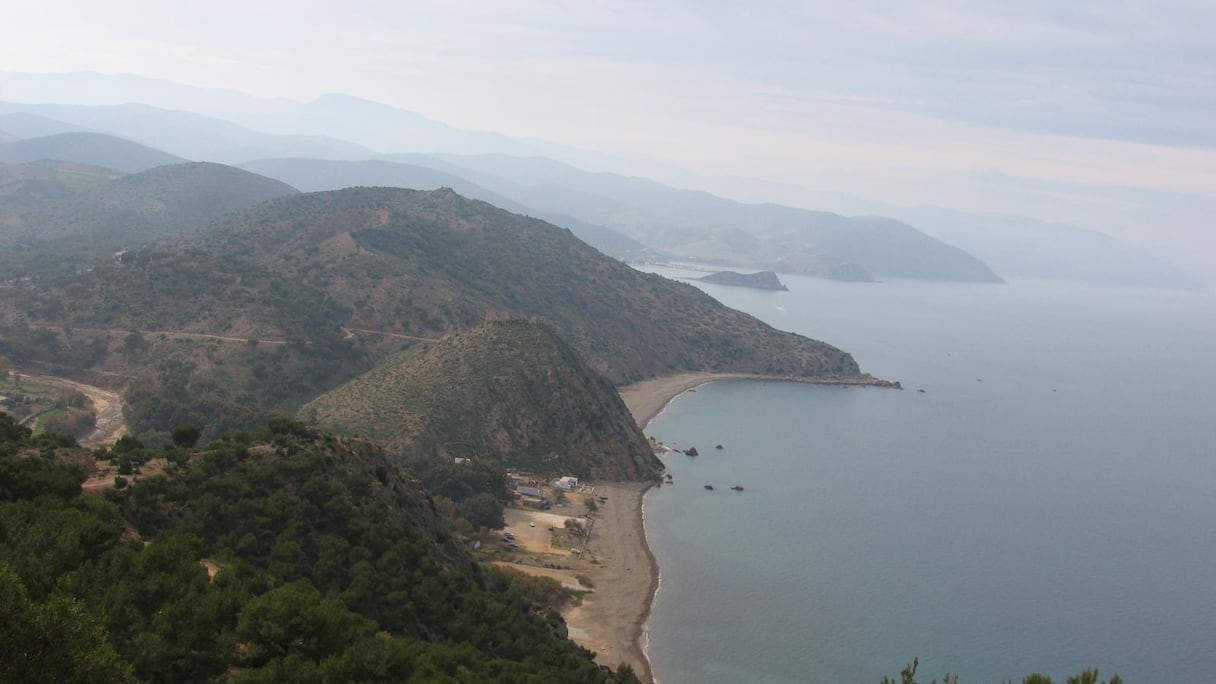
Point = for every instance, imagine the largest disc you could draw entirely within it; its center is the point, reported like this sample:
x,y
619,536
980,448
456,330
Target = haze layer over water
x,y
1047,504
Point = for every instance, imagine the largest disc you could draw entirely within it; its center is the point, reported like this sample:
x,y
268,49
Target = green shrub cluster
x,y
328,566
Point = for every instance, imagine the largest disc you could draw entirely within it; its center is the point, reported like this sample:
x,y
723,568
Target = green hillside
x,y
509,390
432,263
58,217
180,334
285,556
281,303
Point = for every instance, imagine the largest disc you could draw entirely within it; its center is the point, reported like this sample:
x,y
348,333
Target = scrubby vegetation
x,y
275,305
60,217
282,555
908,676
509,391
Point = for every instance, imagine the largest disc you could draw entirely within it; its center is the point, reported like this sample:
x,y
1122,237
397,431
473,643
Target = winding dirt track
x,y
107,407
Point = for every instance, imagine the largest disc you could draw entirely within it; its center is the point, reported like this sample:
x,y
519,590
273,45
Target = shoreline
x,y
646,400
612,620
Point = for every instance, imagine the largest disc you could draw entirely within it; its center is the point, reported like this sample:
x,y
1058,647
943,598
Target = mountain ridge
x,y
291,298
96,149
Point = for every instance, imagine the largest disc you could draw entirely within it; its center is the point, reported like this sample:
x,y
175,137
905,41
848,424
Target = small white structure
x,y
567,483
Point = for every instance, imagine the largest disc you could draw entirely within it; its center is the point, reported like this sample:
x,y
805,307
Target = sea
x,y
1040,497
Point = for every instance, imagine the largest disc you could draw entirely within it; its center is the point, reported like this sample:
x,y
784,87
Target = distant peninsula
x,y
764,280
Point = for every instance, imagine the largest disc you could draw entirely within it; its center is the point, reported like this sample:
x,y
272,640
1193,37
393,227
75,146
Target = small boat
x,y
709,487
737,488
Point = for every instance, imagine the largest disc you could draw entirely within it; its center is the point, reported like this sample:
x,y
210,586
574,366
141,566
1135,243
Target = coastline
x,y
648,398
611,620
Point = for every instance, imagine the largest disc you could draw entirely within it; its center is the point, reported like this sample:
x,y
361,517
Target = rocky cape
x,y
763,280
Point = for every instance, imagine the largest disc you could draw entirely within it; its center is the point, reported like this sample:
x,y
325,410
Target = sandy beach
x,y
611,620
645,399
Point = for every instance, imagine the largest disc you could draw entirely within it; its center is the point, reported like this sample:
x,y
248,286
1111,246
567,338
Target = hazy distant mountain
x,y
56,217
31,193
189,135
5,137
366,123
696,225
1014,246
312,175
315,175
1028,248
96,149
1035,249
24,125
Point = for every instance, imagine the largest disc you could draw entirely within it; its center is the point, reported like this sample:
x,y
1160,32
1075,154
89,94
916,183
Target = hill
x,y
23,125
288,555
699,226
29,196
897,250
315,175
432,263
168,201
180,334
277,304
324,174
95,149
186,134
57,217
1029,248
510,390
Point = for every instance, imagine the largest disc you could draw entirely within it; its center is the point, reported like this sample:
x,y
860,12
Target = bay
x,y
1048,503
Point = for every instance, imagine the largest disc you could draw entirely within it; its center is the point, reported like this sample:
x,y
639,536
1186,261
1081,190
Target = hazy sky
x,y
1096,113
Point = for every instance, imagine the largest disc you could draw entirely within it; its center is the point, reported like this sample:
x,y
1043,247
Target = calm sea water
x,y
1047,504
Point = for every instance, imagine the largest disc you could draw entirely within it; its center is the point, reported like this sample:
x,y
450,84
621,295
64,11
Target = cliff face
x,y
764,280
510,391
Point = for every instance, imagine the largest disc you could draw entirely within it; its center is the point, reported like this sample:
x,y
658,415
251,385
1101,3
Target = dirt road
x,y
107,408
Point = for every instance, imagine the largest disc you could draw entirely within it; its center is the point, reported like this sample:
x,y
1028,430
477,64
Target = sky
x,y
1099,114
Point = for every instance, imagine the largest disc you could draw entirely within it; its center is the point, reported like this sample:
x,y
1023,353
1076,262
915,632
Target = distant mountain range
x,y
87,148
185,134
625,216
